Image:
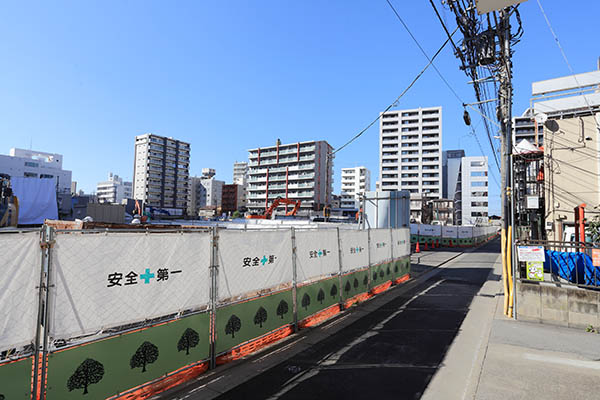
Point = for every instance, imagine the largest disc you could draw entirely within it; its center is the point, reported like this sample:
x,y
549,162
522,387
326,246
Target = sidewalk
x,y
496,358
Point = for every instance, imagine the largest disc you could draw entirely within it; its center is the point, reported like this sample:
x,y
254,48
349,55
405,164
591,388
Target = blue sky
x,y
82,78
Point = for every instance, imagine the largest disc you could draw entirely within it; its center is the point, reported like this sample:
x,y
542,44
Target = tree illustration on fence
x,y
388,271
233,325
333,292
1,396
321,296
355,283
260,317
365,280
396,268
375,275
347,287
89,372
146,354
381,273
188,339
305,301
282,308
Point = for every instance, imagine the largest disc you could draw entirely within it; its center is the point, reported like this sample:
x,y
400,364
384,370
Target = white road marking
x,y
563,361
287,346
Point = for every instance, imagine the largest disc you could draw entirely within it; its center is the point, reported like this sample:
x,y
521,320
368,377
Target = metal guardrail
x,y
567,263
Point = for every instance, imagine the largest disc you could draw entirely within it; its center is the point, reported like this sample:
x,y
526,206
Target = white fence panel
x,y
430,230
381,246
401,244
250,262
107,280
355,249
449,231
20,258
317,254
465,232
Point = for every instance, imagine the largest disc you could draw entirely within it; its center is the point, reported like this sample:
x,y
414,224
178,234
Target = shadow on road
x,y
392,352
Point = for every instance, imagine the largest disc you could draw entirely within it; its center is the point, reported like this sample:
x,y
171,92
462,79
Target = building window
x,y
484,183
30,175
477,163
478,173
479,204
479,214
31,164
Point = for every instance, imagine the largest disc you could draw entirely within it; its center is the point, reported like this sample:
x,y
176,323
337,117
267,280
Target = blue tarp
x,y
37,199
573,266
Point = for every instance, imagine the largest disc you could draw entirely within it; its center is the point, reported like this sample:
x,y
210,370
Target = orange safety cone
x,y
417,250
437,244
451,244
426,246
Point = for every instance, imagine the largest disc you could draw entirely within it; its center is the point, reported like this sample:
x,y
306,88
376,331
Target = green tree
x,y
333,292
355,283
233,325
260,317
593,229
188,339
321,296
282,308
146,354
236,214
89,372
305,301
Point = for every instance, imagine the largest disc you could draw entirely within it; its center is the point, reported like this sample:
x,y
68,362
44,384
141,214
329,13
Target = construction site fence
x,y
127,314
460,236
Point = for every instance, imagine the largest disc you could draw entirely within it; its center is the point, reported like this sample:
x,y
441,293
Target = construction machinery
x,y
278,201
9,204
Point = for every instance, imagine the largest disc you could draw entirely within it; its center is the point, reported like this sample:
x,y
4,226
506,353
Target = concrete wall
x,y
550,304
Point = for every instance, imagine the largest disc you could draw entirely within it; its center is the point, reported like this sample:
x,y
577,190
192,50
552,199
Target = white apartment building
x,y
36,164
114,190
210,192
410,153
161,172
299,171
525,127
240,177
355,182
473,184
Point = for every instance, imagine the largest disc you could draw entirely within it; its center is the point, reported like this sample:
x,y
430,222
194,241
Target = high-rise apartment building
x,y
473,183
161,172
451,163
298,171
525,127
355,182
240,177
410,154
113,190
22,163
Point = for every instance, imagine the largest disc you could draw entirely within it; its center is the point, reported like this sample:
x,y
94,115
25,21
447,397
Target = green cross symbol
x,y
264,260
320,253
147,276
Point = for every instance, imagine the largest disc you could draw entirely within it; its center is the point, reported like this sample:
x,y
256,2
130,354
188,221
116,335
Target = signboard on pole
x,y
596,257
531,253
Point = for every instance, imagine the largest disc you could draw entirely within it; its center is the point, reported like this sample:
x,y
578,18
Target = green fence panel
x,y
355,283
15,379
317,296
381,273
401,267
241,322
110,366
413,238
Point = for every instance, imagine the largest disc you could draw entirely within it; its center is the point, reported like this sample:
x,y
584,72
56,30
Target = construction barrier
x,y
450,236
130,314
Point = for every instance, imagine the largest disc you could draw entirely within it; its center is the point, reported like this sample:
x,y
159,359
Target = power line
x,y
442,77
395,102
564,55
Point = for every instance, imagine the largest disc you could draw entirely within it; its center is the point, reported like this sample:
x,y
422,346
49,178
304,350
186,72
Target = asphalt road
x,y
393,351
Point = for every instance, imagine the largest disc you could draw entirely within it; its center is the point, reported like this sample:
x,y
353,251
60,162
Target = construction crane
x,y
269,211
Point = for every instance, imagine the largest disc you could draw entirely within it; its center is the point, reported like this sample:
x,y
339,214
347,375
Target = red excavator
x,y
269,212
